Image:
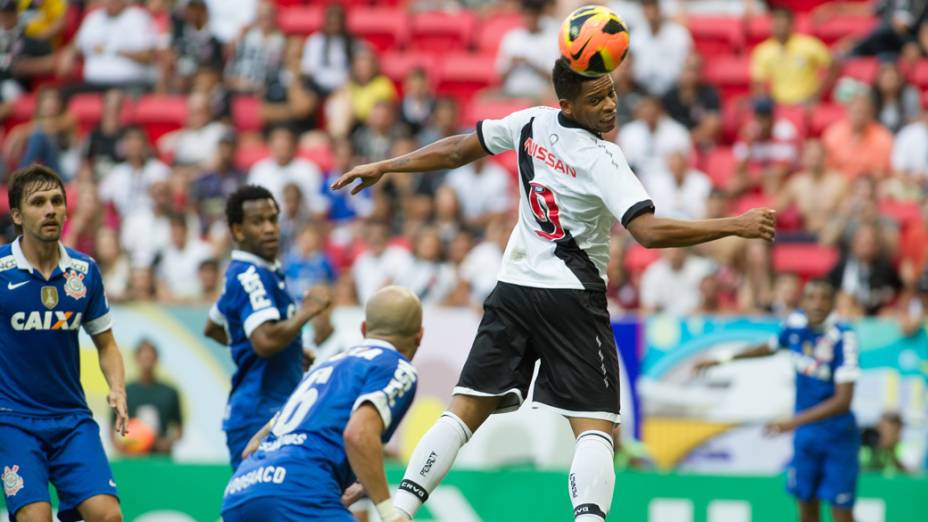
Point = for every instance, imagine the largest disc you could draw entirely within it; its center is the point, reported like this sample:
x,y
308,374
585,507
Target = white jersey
x,y
574,186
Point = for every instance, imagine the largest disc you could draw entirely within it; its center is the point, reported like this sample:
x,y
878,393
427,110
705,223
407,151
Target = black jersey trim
x,y
483,142
642,207
571,124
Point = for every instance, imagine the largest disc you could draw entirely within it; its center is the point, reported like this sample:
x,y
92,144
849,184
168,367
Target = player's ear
x,y
236,230
364,328
16,216
567,108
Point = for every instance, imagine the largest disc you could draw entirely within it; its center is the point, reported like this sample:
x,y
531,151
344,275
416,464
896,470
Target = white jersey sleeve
x,y
498,136
621,191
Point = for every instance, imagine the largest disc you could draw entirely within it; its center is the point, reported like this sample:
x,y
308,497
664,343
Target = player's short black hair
x,y
783,11
39,175
567,83
235,205
819,281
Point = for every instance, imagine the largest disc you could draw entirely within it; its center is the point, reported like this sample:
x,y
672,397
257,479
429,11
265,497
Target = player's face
x,y
259,232
41,212
818,303
595,107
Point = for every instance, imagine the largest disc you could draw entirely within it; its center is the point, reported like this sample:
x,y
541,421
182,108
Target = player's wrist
x,y
387,511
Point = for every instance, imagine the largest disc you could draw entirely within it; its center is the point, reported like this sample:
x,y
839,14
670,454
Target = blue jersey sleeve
x,y
247,298
390,387
97,318
794,321
846,365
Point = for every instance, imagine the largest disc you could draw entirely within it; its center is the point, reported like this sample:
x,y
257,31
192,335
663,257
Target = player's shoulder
x,y
79,261
796,320
7,260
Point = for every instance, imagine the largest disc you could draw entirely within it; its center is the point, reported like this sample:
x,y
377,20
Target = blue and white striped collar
x,y
248,257
377,343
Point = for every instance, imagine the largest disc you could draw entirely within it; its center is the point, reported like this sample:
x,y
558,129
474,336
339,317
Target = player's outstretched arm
x,y
216,332
445,154
115,374
365,453
761,350
271,337
256,439
657,232
839,403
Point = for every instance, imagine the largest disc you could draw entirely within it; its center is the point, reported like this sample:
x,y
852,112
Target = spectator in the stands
x,y
374,139
259,53
179,264
344,208
210,279
653,136
766,151
815,191
291,98
118,45
327,53
866,273
210,191
712,297
882,447
418,101
671,284
628,93
44,20
442,123
102,146
154,402
307,264
695,104
787,294
294,215
660,47
912,305
860,205
228,18
381,264
47,138
679,191
146,231
430,277
483,190
754,276
526,53
913,247
367,86
208,82
897,103
126,185
195,144
283,167
113,264
793,68
477,273
903,28
21,56
857,144
193,45
909,156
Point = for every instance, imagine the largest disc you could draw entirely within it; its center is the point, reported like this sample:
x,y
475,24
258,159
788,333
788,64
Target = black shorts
x,y
569,330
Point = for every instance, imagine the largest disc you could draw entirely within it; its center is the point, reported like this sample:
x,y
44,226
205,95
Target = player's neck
x,y
44,256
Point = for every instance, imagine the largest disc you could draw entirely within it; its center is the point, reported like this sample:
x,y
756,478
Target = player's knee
x,y
114,515
35,512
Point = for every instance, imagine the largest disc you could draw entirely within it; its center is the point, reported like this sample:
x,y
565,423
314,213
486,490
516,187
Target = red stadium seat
x,y
87,110
493,28
382,27
805,260
730,74
483,108
508,161
300,20
397,64
637,258
720,166
832,29
745,203
250,153
23,109
461,75
246,113
440,31
160,114
863,69
919,74
823,116
320,156
716,35
904,212
798,115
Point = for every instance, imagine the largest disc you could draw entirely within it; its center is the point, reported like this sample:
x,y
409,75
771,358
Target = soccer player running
x,y
332,429
47,433
549,302
257,319
826,442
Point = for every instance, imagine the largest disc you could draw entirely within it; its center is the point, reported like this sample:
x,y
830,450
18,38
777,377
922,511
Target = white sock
x,y
592,476
430,462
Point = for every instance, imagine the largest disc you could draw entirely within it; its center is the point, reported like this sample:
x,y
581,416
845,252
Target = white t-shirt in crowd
x,y
646,150
194,146
574,187
371,273
227,18
479,269
101,38
302,173
659,57
671,291
127,187
328,67
681,201
539,49
178,267
481,193
910,151
430,281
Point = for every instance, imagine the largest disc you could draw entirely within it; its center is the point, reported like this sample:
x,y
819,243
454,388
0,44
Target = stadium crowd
x,y
155,111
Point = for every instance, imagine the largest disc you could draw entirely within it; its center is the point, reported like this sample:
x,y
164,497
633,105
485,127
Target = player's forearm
x,y
272,337
755,352
838,404
667,233
444,154
111,366
365,454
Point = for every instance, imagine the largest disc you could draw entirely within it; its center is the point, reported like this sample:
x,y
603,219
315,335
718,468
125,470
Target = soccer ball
x,y
139,440
593,40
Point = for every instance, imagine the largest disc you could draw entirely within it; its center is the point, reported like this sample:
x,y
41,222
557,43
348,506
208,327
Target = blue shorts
x,y
237,439
825,468
65,451
275,509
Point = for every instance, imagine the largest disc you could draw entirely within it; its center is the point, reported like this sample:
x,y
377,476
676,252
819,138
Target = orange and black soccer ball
x,y
593,40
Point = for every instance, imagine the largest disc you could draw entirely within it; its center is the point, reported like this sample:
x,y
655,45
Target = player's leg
x,y
24,470
809,510
592,473
839,481
495,378
81,474
35,512
804,475
842,514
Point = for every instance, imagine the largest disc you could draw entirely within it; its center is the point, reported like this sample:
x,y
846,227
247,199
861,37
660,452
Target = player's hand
x,y
117,400
317,299
353,493
253,444
704,364
759,223
309,357
368,174
779,427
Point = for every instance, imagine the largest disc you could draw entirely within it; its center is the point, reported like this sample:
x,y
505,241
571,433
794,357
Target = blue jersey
x,y
822,358
255,293
39,321
303,460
